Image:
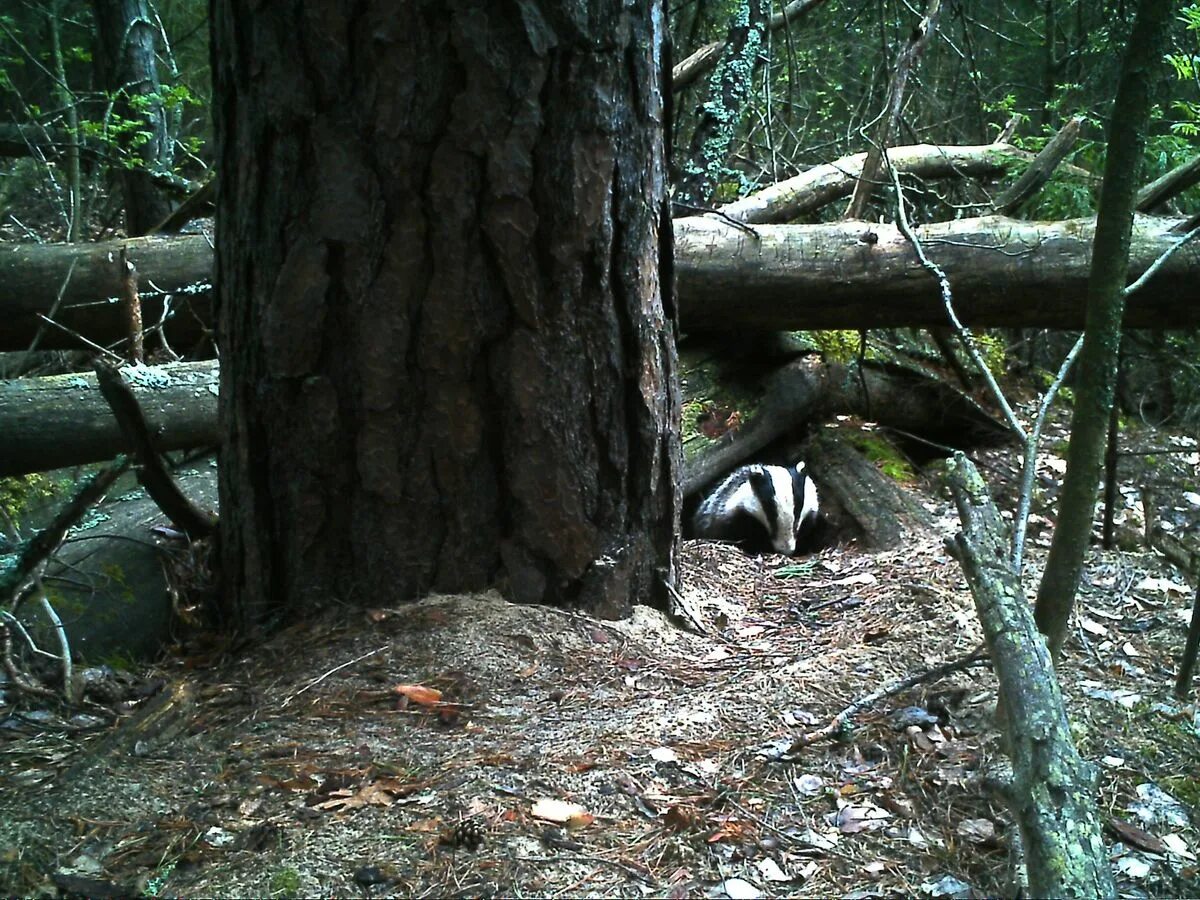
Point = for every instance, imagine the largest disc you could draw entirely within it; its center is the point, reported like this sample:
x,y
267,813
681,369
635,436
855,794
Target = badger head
x,y
761,507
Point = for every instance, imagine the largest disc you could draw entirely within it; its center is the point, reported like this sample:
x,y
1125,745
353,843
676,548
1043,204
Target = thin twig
x,y
75,334
318,680
14,674
64,645
977,656
964,334
41,330
1160,262
14,622
1029,465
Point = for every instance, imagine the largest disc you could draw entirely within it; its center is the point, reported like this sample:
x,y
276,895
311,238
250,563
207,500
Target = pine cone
x,y
469,833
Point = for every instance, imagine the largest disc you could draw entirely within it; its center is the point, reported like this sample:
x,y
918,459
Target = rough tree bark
x,y
128,40
446,345
1097,364
702,60
79,285
1005,272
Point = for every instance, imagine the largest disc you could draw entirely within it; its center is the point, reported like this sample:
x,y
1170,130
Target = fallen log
x,y
885,515
865,503
802,392
62,420
1162,189
823,184
81,283
1005,273
1035,177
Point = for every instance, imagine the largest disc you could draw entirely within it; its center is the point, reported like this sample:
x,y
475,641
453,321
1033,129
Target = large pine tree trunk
x,y
447,352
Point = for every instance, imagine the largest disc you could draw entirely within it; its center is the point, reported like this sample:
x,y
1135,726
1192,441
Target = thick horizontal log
x,y
1004,273
62,420
32,276
1175,182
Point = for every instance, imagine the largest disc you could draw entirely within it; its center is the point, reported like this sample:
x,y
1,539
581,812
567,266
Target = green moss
x,y
285,883
890,461
114,573
994,350
158,880
1184,788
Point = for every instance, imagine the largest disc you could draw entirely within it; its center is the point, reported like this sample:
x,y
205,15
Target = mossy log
x,y
805,391
883,513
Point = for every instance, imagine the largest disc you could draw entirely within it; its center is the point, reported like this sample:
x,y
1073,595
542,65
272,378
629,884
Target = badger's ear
x,y
760,481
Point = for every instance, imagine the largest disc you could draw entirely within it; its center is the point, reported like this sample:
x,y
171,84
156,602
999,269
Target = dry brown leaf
x,y
418,693
977,831
1131,834
561,812
372,794
681,818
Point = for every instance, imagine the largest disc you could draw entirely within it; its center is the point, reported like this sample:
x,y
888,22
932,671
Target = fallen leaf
x,y
860,817
1137,837
418,693
1132,867
809,785
372,794
681,818
1161,586
1091,626
561,812
977,831
740,889
770,870
1178,846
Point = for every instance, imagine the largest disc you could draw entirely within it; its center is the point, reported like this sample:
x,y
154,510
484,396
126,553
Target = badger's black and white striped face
x,y
760,507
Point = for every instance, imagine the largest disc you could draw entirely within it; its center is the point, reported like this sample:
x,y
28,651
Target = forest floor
x,y
567,756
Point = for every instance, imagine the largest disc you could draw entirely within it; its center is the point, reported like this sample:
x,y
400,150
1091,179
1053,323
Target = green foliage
x,y
1187,69
994,350
156,882
285,883
797,570
836,346
20,492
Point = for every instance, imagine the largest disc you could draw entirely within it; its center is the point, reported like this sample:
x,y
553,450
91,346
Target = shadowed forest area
x,y
705,449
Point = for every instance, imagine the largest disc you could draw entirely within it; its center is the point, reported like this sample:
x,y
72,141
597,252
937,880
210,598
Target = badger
x,y
761,508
